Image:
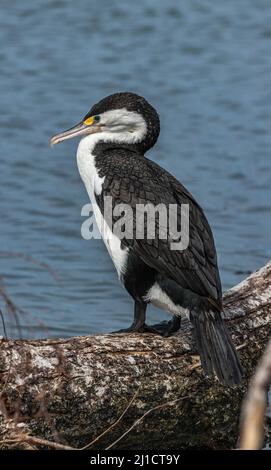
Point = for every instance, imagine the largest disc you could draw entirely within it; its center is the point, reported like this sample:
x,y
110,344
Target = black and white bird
x,y
115,135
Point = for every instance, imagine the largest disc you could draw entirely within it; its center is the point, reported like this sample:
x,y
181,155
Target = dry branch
x,y
255,406
70,391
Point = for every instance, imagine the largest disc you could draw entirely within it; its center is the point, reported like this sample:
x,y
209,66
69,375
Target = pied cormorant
x,y
115,135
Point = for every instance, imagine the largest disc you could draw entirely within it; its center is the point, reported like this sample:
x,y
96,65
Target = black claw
x,y
173,326
150,329
139,329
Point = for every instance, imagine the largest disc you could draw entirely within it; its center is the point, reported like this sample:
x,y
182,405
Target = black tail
x,y
217,352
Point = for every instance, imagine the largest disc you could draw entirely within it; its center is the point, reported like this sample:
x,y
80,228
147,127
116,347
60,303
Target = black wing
x,y
133,179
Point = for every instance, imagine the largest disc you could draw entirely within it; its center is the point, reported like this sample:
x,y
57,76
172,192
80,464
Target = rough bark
x,y
71,390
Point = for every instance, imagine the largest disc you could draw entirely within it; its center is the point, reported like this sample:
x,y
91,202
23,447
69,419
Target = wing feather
x,y
134,179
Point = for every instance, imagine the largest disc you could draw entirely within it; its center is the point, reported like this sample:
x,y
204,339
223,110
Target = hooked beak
x,y
79,129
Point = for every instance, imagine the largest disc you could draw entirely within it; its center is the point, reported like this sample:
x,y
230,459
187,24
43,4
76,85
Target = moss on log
x,y
69,391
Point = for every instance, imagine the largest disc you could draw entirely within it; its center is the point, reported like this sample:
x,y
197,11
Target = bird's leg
x,y
139,316
139,325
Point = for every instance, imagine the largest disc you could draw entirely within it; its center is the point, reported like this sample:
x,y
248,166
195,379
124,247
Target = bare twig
x,y
31,259
4,325
36,441
255,405
114,424
12,309
158,407
16,312
24,438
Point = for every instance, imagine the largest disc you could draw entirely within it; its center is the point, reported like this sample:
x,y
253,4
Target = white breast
x,y
94,184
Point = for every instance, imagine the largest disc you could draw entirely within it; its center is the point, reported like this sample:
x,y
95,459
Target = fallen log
x,y
130,391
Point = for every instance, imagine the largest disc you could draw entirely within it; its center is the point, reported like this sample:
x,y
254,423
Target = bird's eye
x,y
96,118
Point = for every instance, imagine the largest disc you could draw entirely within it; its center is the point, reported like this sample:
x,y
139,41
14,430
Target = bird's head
x,y
122,118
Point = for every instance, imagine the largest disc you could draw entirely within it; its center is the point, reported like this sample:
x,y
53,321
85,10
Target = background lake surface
x,y
205,66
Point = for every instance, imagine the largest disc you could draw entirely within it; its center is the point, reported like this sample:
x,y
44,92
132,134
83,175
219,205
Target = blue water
x,y
205,66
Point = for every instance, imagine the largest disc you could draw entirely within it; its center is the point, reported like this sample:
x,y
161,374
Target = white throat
x,y
86,165
94,185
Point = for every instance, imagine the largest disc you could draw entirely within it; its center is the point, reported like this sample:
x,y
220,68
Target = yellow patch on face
x,y
89,121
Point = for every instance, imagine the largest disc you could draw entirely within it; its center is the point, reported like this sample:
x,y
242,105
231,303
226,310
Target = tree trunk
x,y
69,391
